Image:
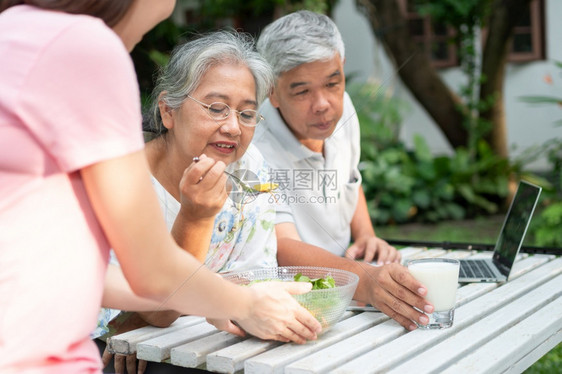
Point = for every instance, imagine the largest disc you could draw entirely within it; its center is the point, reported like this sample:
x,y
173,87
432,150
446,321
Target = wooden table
x,y
497,328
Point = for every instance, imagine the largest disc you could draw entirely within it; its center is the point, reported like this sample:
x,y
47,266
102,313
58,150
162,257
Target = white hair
x,y
190,61
298,38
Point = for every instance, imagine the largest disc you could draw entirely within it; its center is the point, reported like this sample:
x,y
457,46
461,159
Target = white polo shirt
x,y
320,191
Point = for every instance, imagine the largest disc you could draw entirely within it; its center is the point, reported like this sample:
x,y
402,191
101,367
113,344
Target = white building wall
x,y
528,125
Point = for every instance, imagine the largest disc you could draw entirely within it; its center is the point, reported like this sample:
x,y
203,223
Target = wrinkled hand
x,y
395,292
123,364
277,315
227,325
370,248
203,188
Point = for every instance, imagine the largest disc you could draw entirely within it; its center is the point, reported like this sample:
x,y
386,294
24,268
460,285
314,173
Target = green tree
x,y
485,89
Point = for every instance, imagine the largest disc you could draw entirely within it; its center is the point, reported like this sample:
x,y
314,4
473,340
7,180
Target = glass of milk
x,y
440,276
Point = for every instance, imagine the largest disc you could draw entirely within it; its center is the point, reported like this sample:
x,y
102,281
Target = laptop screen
x,y
515,226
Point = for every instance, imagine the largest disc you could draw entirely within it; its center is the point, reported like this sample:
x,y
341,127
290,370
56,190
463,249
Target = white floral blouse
x,y
244,231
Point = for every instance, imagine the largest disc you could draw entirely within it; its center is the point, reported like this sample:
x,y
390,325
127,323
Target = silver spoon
x,y
247,188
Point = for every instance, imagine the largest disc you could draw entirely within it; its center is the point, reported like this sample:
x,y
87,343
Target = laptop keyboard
x,y
475,269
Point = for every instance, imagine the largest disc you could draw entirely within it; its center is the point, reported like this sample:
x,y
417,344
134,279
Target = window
x,y
436,40
528,38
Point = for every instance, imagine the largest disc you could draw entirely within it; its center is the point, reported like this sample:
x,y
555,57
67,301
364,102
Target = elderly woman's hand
x,y
227,325
203,188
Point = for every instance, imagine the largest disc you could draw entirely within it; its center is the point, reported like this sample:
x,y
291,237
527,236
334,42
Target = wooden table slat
x,y
158,349
432,252
194,354
409,251
459,254
527,264
126,343
231,359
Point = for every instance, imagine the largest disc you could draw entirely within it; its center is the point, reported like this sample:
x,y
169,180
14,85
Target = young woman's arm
x,y
158,269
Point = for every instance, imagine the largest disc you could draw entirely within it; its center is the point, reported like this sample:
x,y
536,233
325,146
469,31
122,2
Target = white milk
x,y
441,280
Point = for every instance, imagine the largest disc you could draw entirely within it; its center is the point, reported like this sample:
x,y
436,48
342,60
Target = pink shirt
x,y
68,99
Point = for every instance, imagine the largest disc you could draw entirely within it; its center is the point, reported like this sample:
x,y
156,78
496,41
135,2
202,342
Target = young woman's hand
x,y
277,315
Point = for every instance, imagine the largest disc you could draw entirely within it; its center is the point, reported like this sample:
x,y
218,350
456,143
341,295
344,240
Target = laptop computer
x,y
510,239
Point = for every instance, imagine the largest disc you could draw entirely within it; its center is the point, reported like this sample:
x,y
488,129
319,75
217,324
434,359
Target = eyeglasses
x,y
220,111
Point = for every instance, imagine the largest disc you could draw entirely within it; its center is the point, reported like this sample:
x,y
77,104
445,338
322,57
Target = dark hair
x,y
110,11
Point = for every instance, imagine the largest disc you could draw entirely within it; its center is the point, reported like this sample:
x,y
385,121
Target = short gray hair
x,y
298,38
190,61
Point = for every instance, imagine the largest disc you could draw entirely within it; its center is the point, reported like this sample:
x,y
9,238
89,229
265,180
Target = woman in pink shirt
x,y
75,182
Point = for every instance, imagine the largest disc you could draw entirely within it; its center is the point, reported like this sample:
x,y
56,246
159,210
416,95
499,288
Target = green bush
x,y
403,185
545,226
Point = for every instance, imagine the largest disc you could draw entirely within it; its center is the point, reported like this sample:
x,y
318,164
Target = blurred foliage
x,y
153,51
259,8
405,185
556,100
547,221
243,15
546,226
465,18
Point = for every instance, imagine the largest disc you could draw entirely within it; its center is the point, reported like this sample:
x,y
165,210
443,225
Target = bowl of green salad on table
x,y
332,289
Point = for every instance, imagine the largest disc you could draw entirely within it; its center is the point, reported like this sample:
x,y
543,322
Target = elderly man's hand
x,y
370,248
395,292
123,364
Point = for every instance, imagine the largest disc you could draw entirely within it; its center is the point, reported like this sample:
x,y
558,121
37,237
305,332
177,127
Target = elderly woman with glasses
x,y
204,109
203,118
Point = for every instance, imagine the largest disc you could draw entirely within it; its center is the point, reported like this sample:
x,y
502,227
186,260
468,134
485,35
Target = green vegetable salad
x,y
318,283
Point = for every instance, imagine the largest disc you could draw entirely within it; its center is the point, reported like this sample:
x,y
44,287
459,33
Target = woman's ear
x,y
165,112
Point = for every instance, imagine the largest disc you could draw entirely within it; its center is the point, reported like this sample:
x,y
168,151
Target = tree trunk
x,y
505,15
415,70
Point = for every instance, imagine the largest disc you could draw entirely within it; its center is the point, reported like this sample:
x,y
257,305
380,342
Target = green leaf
x,y
422,198
426,170
401,209
159,58
455,211
422,150
541,100
318,283
301,278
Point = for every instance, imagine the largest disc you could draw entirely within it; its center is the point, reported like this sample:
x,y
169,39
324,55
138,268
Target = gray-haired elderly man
x,y
311,141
